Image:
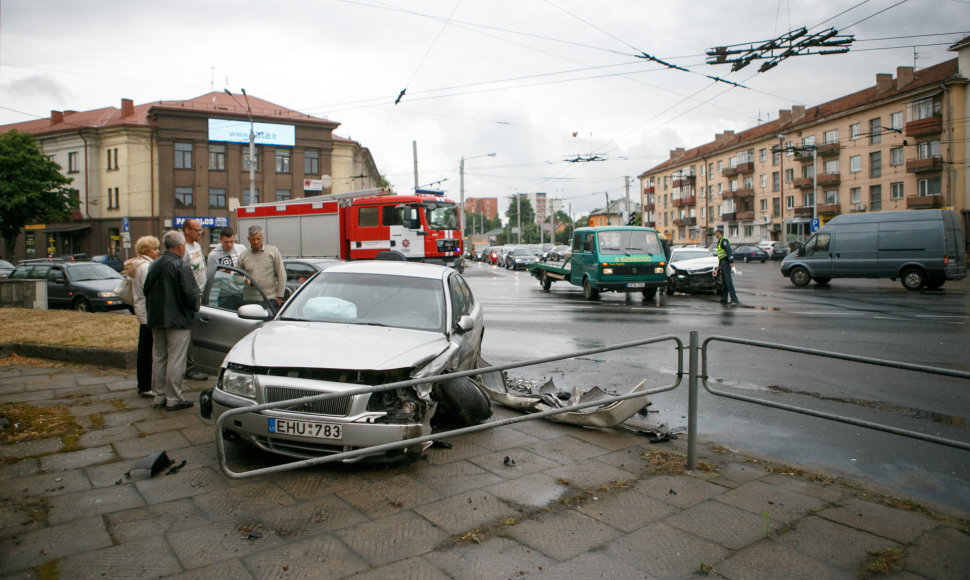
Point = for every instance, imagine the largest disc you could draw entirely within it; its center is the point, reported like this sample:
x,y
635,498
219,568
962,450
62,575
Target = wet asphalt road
x,y
870,318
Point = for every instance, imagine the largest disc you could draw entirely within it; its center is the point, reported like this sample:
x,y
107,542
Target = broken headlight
x,y
239,382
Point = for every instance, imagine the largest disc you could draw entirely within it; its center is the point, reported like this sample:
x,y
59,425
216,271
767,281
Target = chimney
x,y
677,153
904,76
724,138
127,108
57,117
797,112
784,117
884,82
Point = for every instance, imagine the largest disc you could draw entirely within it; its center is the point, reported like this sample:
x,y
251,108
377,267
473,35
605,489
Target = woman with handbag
x,y
146,250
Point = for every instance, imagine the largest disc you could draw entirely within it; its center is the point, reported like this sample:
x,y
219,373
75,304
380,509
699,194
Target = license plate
x,y
305,428
636,284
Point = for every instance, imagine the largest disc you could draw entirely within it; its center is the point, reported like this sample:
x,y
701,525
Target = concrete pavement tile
x,y
228,570
534,490
107,436
154,520
940,553
225,540
183,484
104,377
525,462
17,469
781,505
827,541
31,448
878,519
382,498
543,428
630,459
734,473
78,459
499,438
591,474
768,560
464,512
665,552
828,492
322,556
627,509
82,504
27,397
726,525
395,537
35,548
47,484
594,565
305,484
132,416
315,517
138,447
455,477
566,449
462,447
410,569
610,439
21,515
149,558
227,502
196,433
85,410
108,474
564,534
680,490
496,557
173,421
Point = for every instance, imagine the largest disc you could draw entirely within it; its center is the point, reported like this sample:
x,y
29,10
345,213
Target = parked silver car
x,y
352,325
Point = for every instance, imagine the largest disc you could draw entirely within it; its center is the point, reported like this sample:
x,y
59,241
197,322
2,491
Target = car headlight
x,y
239,383
607,271
106,294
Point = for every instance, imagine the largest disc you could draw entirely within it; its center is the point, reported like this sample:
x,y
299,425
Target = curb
x,y
105,357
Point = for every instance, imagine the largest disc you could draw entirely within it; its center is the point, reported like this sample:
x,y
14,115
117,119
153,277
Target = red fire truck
x,y
361,225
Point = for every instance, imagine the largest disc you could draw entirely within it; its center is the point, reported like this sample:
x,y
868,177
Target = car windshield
x,y
441,216
690,255
523,252
630,242
370,299
93,271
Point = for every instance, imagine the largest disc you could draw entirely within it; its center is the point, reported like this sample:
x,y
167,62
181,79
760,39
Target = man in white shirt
x,y
228,252
194,257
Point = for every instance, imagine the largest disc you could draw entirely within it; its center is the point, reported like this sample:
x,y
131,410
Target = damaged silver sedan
x,y
352,325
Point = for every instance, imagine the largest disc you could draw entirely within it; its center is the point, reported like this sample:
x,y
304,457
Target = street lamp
x,y
461,187
252,145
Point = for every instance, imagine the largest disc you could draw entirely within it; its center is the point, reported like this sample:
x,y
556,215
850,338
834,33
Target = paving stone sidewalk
x,y
567,503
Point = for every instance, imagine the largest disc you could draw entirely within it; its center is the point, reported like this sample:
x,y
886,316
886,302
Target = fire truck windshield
x,y
441,216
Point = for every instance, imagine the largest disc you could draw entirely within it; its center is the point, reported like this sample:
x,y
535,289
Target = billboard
x,y
238,132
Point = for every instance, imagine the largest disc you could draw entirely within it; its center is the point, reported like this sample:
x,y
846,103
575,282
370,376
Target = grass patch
x,y
29,423
671,463
881,563
69,328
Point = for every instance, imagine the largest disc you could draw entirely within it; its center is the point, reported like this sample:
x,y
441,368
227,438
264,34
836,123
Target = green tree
x,y
32,189
530,230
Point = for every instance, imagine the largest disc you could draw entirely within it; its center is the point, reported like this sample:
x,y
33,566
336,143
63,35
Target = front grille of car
x,y
337,406
634,269
699,271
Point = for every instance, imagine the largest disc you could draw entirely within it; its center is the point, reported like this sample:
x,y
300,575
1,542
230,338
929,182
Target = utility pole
x,y
629,209
414,154
252,146
518,213
609,220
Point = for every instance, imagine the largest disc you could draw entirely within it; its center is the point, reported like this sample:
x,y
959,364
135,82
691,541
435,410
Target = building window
x,y
808,199
808,141
113,198
855,164
896,190
183,197
282,161
855,131
875,164
775,157
245,159
775,206
855,195
808,171
719,167
112,155
720,188
764,181
924,108
896,156
831,196
929,149
246,197
217,158
72,162
764,205
830,137
748,231
311,162
183,156
832,166
217,197
775,181
896,121
875,131
789,175
930,186
790,202
282,194
875,197
763,155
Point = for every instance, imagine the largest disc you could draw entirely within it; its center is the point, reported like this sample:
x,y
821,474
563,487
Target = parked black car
x,y
112,261
83,286
5,268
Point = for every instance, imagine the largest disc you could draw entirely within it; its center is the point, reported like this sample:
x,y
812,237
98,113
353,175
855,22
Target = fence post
x,y
692,404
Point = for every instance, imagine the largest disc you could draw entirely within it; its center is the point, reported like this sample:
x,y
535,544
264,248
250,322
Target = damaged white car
x,y
352,325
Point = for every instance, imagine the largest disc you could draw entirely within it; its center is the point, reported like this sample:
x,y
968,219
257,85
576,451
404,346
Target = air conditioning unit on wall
x,y
860,207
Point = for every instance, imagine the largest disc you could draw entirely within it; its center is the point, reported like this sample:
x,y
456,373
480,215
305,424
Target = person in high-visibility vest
x,y
725,259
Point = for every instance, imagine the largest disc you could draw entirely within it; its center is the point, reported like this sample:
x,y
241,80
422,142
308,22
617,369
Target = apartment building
x,y
486,206
899,144
150,166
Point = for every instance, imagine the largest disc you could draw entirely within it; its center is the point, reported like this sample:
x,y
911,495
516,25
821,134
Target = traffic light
x,y
631,218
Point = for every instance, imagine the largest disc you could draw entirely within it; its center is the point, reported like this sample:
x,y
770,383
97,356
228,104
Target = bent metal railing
x,y
220,443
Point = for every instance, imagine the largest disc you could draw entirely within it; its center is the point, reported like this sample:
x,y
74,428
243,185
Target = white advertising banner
x,y
238,132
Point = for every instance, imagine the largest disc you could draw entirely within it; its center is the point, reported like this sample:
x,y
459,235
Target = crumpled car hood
x,y
336,346
695,264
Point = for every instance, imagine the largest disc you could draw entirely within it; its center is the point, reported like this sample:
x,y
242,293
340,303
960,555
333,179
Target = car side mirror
x,y
465,324
253,312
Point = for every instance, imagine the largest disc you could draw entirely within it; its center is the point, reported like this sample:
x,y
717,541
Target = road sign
x,y
124,224
126,239
814,225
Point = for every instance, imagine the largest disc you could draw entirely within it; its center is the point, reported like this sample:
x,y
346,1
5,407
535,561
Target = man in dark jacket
x,y
725,261
171,298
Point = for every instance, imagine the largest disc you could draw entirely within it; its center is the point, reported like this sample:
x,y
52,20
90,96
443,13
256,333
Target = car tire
x,y
763,260
799,276
669,288
913,279
82,305
546,281
822,280
589,292
461,402
649,293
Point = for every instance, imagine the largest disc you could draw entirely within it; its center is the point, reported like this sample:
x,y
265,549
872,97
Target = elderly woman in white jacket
x,y
146,250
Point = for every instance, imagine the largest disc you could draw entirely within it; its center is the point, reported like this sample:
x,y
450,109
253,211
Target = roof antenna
x,y
212,78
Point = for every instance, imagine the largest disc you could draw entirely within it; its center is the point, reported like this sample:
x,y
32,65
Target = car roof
x,y
392,268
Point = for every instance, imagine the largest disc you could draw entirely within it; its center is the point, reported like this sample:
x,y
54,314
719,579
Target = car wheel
x,y
799,277
763,260
913,279
669,288
589,292
822,280
546,281
649,293
461,402
82,305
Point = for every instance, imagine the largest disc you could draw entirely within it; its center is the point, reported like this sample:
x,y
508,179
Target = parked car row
x,y
84,286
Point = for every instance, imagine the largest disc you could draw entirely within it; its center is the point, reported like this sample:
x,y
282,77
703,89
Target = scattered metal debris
x,y
508,461
175,468
149,467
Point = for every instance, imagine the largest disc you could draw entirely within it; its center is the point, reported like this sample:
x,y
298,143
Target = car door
x,y
217,327
463,303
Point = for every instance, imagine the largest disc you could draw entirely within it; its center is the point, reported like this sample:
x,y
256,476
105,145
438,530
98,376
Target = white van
x,y
919,247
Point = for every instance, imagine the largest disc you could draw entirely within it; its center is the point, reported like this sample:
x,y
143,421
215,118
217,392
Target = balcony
x,y
686,221
738,169
825,179
829,209
804,182
682,180
648,190
803,155
829,150
923,165
650,224
926,126
729,217
804,211
745,215
650,207
924,201
687,200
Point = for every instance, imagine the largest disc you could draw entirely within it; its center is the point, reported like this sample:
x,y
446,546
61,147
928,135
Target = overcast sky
x,y
534,81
